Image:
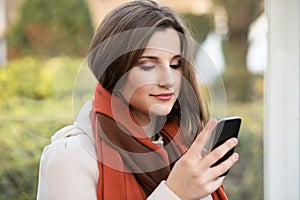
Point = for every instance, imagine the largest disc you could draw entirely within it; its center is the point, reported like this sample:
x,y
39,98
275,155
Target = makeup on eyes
x,y
149,62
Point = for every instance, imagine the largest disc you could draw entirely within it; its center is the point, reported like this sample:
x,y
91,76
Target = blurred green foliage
x,y
25,77
27,122
237,78
21,144
36,100
51,28
240,83
36,79
200,25
245,179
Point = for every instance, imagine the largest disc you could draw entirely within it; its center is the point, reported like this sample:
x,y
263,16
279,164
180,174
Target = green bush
x,y
35,101
37,79
21,146
24,78
51,28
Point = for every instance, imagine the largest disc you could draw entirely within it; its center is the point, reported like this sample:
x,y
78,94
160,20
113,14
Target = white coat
x,y
68,165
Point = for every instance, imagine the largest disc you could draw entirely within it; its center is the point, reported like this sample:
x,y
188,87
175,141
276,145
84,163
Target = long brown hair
x,y
121,39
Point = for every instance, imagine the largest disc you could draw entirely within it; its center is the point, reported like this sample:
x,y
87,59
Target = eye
x,y
176,65
146,68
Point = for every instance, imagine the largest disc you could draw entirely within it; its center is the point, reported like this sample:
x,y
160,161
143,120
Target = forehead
x,y
165,40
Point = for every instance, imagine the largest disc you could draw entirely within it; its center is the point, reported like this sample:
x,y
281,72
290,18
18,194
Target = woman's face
x,y
153,84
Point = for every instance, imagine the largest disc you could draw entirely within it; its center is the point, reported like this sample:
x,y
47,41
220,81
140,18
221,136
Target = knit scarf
x,y
130,165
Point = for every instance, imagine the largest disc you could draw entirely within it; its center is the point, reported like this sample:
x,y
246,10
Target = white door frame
x,y
282,102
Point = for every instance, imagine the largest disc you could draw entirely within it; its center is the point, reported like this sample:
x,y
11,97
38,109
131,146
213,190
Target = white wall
x,y
282,102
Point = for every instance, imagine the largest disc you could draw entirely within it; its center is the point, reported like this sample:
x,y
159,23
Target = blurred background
x,y
43,45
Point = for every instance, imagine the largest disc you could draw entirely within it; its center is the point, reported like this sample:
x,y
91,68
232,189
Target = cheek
x,y
142,91
134,89
140,99
136,83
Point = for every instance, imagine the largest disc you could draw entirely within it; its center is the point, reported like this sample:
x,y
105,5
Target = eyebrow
x,y
157,58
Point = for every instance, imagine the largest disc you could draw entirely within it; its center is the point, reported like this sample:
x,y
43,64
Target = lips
x,y
163,96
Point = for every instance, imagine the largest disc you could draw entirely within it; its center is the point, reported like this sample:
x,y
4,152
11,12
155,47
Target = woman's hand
x,y
192,176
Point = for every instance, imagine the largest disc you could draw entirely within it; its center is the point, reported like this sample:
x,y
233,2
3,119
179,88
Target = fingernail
x,y
212,122
236,156
234,141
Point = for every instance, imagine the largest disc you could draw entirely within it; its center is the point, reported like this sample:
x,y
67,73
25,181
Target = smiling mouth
x,y
163,96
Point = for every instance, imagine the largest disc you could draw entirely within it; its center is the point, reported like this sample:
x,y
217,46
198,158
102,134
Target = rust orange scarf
x,y
130,165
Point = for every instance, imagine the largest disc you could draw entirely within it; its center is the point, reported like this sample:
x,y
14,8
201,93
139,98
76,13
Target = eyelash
x,y
176,66
148,68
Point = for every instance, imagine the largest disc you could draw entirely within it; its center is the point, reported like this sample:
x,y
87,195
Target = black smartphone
x,y
227,128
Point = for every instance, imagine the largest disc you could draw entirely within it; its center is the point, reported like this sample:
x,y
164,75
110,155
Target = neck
x,y
148,123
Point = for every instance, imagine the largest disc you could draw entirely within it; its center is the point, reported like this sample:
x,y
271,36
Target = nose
x,y
166,77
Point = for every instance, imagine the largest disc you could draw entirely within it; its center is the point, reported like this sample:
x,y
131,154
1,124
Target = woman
x,y
142,135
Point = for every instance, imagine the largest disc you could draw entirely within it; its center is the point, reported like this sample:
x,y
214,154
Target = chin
x,y
160,110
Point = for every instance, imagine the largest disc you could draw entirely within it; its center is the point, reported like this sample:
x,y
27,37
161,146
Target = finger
x,y
215,184
221,150
199,142
219,181
225,166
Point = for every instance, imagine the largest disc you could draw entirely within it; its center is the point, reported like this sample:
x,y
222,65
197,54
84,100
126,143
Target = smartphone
x,y
227,128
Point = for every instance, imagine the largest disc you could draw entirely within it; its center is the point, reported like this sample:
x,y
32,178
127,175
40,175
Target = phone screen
x,y
227,128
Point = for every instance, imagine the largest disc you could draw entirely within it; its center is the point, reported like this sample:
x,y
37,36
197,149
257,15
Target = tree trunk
x,y
236,76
